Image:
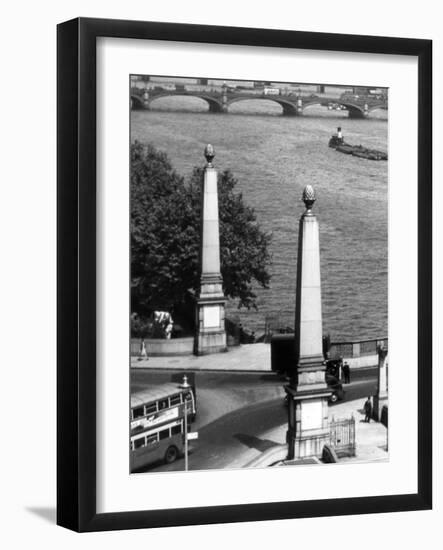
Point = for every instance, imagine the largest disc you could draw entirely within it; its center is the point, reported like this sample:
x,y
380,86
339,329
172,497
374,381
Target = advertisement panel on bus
x,y
157,418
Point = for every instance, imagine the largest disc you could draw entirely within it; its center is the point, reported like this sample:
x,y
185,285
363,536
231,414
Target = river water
x,y
274,157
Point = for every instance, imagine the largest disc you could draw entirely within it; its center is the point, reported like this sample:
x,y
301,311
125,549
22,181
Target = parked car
x,y
333,367
338,393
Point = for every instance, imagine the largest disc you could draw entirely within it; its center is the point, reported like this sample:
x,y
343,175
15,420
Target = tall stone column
x,y
308,392
381,398
210,308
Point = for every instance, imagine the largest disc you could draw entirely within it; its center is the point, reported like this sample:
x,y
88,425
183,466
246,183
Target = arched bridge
x,y
291,104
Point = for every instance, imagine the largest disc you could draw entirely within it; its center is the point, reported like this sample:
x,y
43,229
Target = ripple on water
x,y
273,158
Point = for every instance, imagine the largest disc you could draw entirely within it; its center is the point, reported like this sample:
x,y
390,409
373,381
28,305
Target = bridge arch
x,y
215,106
377,108
316,103
355,111
136,102
288,108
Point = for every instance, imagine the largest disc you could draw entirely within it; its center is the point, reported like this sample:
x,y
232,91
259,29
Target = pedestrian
x,y
143,356
340,369
368,409
347,373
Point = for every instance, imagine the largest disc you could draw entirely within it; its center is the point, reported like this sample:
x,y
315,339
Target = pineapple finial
x,y
309,197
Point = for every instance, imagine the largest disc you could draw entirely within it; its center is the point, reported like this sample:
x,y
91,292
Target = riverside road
x,y
234,409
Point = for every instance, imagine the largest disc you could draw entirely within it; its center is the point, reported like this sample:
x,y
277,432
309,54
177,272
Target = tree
x,y
165,236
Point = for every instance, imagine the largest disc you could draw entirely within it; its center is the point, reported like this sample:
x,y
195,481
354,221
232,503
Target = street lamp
x,y
185,386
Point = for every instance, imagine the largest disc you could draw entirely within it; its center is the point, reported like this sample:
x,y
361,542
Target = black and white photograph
x,y
221,266
258,273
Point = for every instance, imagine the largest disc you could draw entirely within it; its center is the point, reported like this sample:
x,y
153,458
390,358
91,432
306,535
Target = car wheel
x,y
333,398
171,454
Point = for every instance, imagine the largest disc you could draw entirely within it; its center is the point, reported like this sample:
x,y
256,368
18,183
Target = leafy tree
x,y
165,236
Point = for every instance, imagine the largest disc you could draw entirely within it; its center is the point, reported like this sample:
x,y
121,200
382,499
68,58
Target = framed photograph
x,y
244,274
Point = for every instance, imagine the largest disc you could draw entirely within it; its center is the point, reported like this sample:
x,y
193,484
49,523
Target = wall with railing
x,y
355,349
358,352
236,335
162,346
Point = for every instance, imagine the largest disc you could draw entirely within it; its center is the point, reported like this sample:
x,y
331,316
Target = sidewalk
x,y
371,440
247,358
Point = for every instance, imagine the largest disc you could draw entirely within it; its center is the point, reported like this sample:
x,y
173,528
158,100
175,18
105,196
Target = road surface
x,y
235,409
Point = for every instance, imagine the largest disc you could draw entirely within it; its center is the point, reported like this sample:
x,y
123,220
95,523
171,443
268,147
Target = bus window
x,y
139,443
164,434
176,429
151,439
138,412
151,408
175,399
163,404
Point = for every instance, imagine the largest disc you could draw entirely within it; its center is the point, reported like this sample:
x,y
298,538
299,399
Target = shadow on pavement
x,y
255,442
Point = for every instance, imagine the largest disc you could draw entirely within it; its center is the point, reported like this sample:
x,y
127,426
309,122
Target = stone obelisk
x,y
308,393
210,308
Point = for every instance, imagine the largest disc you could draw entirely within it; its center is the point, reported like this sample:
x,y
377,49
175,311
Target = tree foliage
x,y
165,236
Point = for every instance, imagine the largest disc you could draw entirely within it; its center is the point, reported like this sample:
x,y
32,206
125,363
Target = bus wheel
x,y
171,454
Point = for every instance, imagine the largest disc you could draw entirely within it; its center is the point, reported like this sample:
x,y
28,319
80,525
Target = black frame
x,y
76,296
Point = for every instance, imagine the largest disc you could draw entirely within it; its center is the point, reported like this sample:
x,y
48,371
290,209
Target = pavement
x,y
371,440
247,357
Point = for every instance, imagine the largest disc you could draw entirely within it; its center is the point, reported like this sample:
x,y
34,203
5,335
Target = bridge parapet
x,y
291,103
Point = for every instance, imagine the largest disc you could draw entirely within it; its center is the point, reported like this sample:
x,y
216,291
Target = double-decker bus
x,y
158,423
270,90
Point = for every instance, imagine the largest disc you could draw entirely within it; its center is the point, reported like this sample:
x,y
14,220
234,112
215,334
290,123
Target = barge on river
x,y
338,143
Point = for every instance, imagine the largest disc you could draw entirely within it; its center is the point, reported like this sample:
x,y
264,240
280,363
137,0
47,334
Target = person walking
x,y
347,373
143,355
340,369
368,409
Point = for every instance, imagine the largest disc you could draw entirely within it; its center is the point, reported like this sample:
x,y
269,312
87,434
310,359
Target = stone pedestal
x,y
146,99
308,428
224,98
210,308
299,106
381,398
308,392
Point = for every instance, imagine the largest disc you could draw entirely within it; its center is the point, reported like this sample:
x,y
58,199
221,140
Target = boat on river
x,y
338,143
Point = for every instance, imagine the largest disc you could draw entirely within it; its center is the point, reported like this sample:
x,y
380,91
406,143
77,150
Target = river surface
x,y
274,157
